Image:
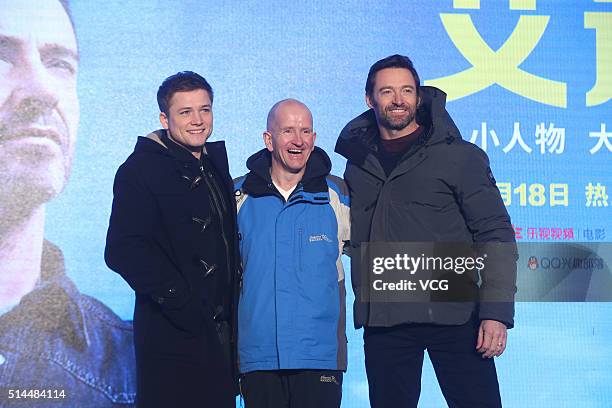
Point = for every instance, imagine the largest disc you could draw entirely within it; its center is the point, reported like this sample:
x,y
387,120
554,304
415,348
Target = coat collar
x,y
258,181
158,142
359,137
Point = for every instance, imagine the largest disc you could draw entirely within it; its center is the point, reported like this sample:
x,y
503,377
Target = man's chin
x,y
32,186
294,170
397,124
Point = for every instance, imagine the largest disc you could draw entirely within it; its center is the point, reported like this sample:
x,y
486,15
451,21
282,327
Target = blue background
x,y
255,53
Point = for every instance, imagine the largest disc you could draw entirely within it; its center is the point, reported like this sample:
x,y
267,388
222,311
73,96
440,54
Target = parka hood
x,y
359,136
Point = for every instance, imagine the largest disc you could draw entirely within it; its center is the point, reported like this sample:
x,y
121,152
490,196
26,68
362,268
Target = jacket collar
x,y
158,142
359,137
53,307
258,181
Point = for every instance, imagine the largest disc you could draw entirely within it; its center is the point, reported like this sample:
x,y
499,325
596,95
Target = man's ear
x,y
267,137
368,102
163,119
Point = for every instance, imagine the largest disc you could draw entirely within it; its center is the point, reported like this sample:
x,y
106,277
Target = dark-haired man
x,y
172,237
413,179
55,342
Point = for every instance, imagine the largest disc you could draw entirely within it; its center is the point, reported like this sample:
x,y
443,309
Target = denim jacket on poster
x,y
59,339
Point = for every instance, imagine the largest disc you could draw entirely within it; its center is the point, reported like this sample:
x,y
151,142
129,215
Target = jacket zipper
x,y
215,194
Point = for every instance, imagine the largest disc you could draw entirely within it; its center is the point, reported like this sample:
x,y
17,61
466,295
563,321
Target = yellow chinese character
x,y
602,90
559,194
505,189
502,66
596,195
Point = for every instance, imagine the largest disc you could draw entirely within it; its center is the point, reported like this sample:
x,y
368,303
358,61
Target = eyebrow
x,y
296,128
9,44
57,50
391,87
191,107
13,44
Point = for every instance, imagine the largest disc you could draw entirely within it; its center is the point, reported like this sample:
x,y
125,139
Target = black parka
x,y
442,190
167,240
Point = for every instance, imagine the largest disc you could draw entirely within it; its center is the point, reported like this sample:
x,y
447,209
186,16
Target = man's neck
x,y
390,134
21,246
286,180
195,151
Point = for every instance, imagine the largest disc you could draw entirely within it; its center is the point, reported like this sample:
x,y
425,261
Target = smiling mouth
x,y
196,132
295,152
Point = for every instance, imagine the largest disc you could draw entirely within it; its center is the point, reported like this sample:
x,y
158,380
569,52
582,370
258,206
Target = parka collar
x,y
359,137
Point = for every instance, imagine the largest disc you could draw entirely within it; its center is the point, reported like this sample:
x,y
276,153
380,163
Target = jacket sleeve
x,y
341,205
136,253
487,219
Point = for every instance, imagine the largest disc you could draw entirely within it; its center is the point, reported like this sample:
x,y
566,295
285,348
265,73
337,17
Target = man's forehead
x,y
394,76
43,22
193,98
292,111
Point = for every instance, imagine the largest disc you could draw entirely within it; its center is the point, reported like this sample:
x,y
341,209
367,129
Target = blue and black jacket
x,y
291,313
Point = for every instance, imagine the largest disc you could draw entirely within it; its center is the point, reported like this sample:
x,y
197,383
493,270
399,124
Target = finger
x,y
496,345
501,345
486,343
480,338
492,349
494,340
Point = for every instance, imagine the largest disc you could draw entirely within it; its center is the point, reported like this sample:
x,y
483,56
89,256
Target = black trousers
x,y
394,361
292,389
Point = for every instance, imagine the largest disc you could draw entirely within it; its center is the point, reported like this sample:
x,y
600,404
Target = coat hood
x,y
318,164
359,136
157,142
317,168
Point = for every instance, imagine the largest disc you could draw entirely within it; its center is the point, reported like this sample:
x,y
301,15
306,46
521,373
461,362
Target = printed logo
x,y
329,379
320,237
532,263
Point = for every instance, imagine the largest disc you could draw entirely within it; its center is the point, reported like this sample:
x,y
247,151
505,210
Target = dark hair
x,y
393,61
180,82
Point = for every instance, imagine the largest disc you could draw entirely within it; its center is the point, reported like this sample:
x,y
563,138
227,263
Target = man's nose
x,y
196,118
34,94
397,98
298,139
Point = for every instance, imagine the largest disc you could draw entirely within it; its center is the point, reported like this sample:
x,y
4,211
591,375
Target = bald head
x,y
290,139
280,107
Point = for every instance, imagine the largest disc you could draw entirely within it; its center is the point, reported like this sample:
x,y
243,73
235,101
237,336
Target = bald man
x,y
293,221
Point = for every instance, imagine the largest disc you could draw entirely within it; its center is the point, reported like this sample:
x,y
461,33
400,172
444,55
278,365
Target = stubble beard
x,y
396,124
26,184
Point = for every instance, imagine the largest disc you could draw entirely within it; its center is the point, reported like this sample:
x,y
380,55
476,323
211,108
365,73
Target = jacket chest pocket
x,y
316,248
428,196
